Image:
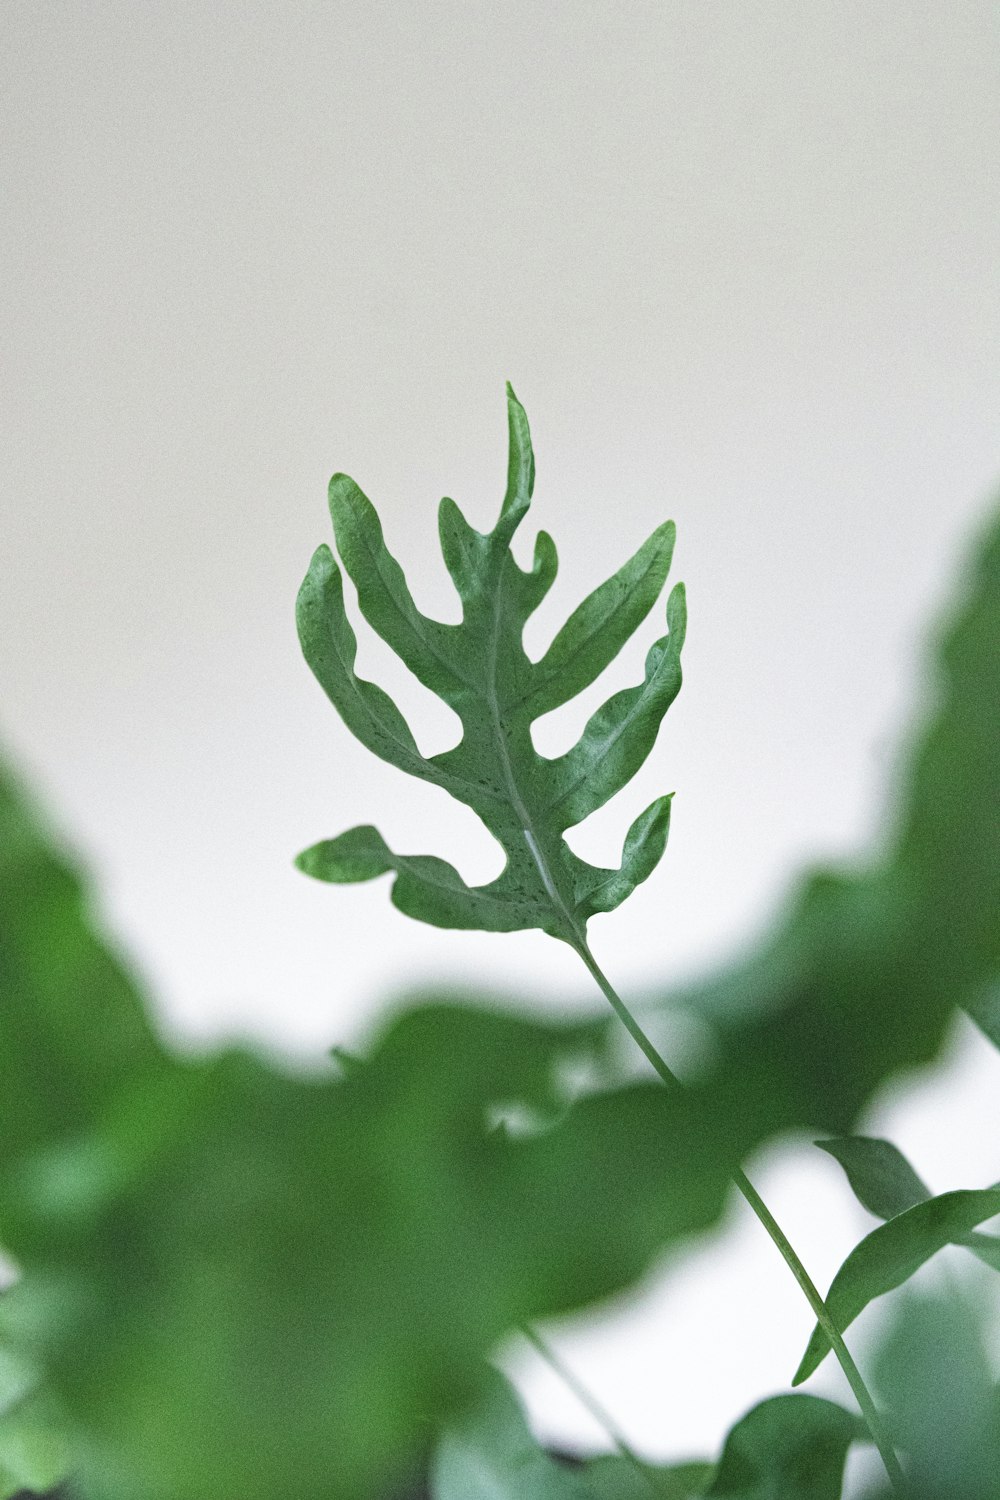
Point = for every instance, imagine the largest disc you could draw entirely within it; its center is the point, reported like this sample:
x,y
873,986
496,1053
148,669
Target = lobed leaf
x,y
480,669
892,1253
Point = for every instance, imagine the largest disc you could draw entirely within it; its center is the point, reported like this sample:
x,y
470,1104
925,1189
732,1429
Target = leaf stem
x,y
592,1405
855,1379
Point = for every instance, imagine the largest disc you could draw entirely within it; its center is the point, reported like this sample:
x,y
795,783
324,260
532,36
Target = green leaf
x,y
480,669
985,1247
71,1026
886,1184
984,1008
861,973
882,1179
787,1448
892,1253
491,1454
598,628
33,1452
275,1283
33,1448
332,646
615,1478
949,844
239,1283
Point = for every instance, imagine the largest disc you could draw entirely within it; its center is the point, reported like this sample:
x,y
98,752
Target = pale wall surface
x,y
739,260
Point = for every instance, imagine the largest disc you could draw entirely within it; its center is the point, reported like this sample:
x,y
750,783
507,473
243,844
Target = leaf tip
x,y
321,574
339,484
677,612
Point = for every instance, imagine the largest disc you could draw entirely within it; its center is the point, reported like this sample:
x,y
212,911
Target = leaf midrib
x,y
531,838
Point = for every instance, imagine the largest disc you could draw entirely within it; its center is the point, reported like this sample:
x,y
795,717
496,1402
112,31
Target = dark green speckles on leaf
x,y
480,669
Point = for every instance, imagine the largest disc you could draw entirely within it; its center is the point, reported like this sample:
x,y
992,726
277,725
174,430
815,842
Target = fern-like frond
x,y
481,670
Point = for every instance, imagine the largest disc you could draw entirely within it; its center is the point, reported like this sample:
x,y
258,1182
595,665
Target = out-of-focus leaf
x,y
243,1284
937,1385
892,1253
615,1478
985,1247
239,1283
787,1448
886,1184
861,975
71,1029
949,845
33,1453
984,1008
480,669
490,1453
882,1179
276,1282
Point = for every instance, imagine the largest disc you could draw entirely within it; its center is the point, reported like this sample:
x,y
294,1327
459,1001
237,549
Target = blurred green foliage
x,y
236,1284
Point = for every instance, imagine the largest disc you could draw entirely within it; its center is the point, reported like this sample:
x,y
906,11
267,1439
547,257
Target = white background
x,y
739,260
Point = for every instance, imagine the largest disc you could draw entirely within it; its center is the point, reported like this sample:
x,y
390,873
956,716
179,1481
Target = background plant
x,y
233,1282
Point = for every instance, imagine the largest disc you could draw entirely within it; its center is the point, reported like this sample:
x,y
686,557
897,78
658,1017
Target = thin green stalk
x,y
591,1404
855,1379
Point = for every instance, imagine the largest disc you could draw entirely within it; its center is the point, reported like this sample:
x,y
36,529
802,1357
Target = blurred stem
x,y
591,1404
855,1379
